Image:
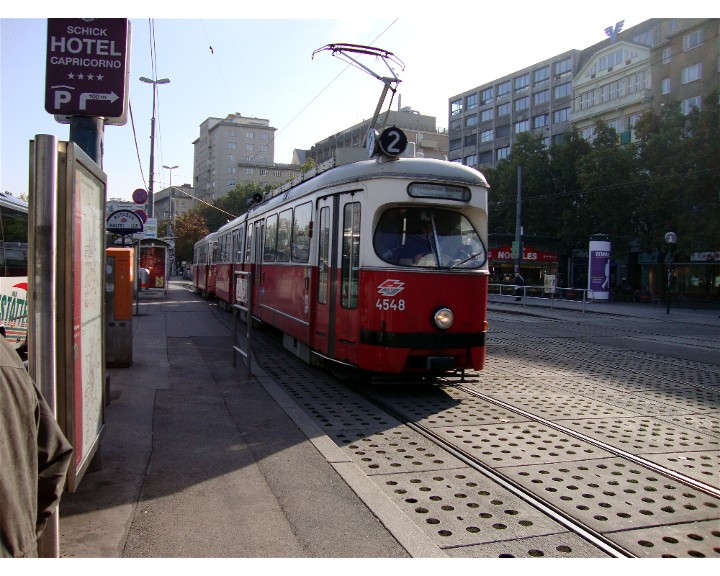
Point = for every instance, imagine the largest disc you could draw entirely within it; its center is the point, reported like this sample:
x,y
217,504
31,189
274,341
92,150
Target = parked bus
x,y
14,270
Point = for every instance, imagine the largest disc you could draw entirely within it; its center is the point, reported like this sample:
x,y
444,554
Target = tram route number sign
x,y
86,67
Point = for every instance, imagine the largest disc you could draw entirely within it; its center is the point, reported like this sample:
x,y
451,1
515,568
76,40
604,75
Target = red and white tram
x,y
380,264
204,269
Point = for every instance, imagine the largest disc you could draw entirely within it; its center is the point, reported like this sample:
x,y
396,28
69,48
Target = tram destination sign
x,y
85,73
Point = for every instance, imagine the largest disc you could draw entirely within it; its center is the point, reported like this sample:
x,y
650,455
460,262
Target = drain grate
x,y
461,507
613,494
519,444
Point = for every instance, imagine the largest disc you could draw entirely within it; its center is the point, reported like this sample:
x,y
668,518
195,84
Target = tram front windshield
x,y
428,238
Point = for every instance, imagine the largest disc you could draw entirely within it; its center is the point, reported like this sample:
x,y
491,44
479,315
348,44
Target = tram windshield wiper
x,y
475,255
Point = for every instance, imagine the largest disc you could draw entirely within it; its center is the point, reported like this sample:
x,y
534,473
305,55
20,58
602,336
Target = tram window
x,y
248,244
238,235
271,227
350,254
301,233
323,255
282,251
428,238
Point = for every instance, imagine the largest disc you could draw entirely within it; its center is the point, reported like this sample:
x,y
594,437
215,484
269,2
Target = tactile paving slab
x,y
461,507
696,540
613,494
554,546
519,444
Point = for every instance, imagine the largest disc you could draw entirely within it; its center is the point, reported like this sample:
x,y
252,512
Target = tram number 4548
x,y
390,304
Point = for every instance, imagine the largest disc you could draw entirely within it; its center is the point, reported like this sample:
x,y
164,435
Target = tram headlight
x,y
443,318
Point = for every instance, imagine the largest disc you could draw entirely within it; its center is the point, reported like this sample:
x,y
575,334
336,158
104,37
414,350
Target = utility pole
x,y
518,222
151,200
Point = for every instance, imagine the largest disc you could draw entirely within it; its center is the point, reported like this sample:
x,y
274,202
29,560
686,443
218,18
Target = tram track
x,y
651,511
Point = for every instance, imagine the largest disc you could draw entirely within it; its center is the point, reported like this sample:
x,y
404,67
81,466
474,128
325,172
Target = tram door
x,y
336,320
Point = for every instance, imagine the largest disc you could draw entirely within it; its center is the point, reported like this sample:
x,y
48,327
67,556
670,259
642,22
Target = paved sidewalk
x,y
198,460
629,309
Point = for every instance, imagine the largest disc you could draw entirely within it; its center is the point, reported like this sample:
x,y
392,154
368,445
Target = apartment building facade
x,y
616,80
236,150
420,129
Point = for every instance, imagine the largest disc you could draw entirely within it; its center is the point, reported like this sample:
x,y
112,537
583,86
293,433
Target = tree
x,y
608,179
189,228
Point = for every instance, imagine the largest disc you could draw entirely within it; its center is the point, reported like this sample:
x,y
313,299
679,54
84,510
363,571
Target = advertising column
x,y
599,267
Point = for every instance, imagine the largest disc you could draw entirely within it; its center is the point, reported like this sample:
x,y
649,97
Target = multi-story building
x,y
173,201
485,121
233,151
616,80
349,144
685,62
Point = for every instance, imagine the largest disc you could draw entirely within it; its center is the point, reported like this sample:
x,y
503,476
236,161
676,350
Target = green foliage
x,y
668,180
188,229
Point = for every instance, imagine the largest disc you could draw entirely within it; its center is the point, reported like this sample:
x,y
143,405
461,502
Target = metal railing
x,y
539,295
243,295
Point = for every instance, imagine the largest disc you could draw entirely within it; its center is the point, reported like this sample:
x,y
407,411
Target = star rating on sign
x,y
73,76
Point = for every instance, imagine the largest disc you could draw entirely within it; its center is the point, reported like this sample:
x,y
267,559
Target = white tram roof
x,y
420,169
327,175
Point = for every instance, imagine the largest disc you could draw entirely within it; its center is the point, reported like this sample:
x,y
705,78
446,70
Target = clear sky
x,y
258,62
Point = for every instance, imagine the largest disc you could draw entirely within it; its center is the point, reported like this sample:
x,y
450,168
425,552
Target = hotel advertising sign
x,y
86,67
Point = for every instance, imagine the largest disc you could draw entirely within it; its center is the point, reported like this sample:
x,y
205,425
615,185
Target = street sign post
x,y
87,68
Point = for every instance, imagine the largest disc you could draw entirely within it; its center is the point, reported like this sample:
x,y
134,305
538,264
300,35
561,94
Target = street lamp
x,y
171,168
152,140
670,240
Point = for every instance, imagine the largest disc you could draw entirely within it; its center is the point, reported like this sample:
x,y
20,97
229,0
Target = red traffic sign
x,y
140,196
85,66
142,215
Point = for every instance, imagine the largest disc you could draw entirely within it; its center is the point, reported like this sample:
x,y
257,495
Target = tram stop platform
x,y
199,459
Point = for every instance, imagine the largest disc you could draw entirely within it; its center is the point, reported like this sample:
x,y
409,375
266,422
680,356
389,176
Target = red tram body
x,y
332,265
204,270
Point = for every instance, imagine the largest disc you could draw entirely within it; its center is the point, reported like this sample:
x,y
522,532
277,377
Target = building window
x,y
563,68
231,157
588,133
250,135
456,107
563,90
470,160
486,96
471,140
503,109
471,102
687,106
232,145
540,121
471,121
522,103
561,116
231,182
265,136
249,170
263,172
504,89
666,55
455,144
691,73
486,115
522,83
541,75
693,39
541,97
486,136
522,126
665,86
502,153
250,147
